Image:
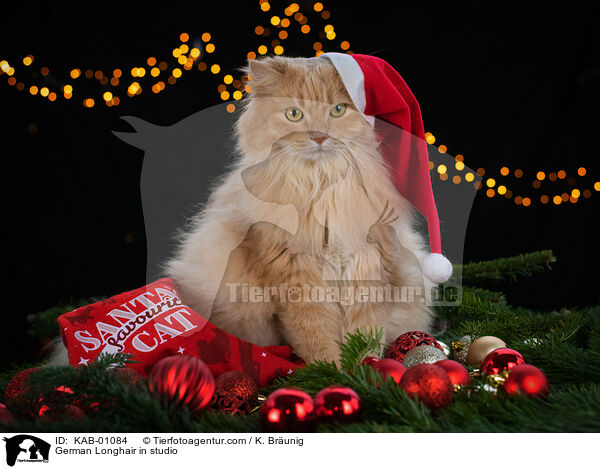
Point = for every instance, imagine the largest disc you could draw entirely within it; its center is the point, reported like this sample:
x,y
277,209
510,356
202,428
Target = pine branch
x,y
358,345
507,269
572,409
368,426
560,360
482,293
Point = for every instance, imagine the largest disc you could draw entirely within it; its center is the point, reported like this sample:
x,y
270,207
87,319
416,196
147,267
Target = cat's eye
x,y
338,110
293,114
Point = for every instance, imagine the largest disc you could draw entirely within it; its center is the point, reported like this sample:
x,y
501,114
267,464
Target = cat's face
x,y
300,108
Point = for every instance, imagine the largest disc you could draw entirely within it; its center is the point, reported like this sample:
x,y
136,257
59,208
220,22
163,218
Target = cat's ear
x,y
265,71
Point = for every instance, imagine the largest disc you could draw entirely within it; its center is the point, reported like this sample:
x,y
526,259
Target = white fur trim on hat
x,y
437,268
353,78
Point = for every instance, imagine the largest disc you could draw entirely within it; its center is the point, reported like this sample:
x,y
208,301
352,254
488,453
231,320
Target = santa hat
x,y
377,90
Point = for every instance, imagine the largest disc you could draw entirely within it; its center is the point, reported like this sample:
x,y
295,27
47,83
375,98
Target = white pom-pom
x,y
437,268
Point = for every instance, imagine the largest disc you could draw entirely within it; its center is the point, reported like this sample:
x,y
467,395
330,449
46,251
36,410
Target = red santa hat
x,y
377,90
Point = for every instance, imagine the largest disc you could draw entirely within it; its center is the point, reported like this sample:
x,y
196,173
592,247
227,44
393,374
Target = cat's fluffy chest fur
x,y
304,215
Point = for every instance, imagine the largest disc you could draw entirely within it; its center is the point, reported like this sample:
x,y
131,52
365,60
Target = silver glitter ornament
x,y
460,349
445,348
423,354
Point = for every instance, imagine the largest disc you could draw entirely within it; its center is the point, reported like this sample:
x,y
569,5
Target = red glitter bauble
x,y
390,368
184,380
526,380
337,403
430,384
457,373
235,393
408,341
17,385
500,360
288,410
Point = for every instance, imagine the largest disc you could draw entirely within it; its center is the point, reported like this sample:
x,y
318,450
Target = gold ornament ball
x,y
423,354
481,347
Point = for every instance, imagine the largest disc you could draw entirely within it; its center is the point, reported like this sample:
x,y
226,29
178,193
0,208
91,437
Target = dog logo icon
x,y
26,448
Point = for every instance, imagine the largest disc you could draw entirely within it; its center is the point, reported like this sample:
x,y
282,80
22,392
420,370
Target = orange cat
x,y
306,239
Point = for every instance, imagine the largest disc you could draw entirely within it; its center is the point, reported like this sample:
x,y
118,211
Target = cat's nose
x,y
319,137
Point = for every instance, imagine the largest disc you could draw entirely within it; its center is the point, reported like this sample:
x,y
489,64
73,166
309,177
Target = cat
x,y
309,206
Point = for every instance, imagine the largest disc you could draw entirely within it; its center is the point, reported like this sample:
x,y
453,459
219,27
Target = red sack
x,y
152,323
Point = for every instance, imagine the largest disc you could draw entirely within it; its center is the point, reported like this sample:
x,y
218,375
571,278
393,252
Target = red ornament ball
x,y
458,374
235,393
337,403
17,385
288,410
430,384
369,361
500,360
526,380
184,380
390,368
408,341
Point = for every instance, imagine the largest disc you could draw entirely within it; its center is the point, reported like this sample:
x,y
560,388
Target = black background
x,y
514,86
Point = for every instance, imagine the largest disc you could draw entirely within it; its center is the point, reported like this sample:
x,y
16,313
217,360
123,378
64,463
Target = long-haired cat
x,y
306,238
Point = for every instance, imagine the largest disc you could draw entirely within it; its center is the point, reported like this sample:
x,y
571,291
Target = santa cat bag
x,y
152,323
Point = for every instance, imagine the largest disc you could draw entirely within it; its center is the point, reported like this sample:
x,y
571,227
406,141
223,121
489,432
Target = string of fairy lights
x,y
496,185
116,82
315,25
